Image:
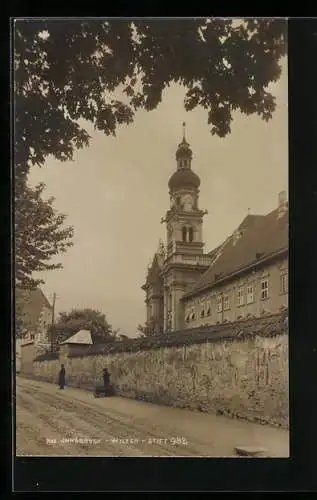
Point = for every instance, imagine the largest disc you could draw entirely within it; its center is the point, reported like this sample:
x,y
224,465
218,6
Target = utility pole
x,y
53,319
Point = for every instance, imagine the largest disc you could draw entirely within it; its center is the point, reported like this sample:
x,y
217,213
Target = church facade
x,y
247,275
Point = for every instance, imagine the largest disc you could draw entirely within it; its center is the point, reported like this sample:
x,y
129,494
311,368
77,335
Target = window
x,y
226,303
284,282
219,303
264,289
191,234
187,318
193,316
178,200
184,232
208,309
250,294
202,312
240,296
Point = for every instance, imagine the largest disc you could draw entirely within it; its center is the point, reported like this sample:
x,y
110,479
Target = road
x,y
51,422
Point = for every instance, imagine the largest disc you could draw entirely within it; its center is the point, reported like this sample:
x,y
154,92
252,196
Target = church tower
x,y
185,260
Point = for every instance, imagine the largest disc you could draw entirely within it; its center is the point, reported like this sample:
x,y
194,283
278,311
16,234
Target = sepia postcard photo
x,y
151,237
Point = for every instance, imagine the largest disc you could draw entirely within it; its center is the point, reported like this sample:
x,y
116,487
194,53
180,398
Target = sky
x,y
115,192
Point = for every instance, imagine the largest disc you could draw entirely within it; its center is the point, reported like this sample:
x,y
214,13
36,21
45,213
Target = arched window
x,y
190,234
184,233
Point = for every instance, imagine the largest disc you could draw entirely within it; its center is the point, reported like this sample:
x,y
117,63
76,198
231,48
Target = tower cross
x,y
184,131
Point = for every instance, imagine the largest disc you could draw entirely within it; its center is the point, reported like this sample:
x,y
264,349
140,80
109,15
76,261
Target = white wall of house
x,y
260,291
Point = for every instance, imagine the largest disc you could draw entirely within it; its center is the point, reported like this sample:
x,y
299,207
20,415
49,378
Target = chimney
x,y
282,204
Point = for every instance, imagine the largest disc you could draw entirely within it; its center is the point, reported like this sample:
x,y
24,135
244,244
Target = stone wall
x,y
28,353
246,378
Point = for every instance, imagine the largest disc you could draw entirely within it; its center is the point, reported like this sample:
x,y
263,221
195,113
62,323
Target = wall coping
x,y
47,357
266,326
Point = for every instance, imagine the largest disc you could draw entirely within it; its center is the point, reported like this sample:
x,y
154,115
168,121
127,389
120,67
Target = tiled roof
x,y
31,303
81,337
257,237
213,252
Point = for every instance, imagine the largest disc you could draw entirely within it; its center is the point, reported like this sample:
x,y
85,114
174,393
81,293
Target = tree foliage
x,y
68,70
69,323
40,235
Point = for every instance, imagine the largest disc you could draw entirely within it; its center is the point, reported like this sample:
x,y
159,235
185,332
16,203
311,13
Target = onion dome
x,y
184,178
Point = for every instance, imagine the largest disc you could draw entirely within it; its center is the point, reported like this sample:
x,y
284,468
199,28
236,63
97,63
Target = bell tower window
x,y
187,234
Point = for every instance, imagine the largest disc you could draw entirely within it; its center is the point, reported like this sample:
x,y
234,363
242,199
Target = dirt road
x,y
52,422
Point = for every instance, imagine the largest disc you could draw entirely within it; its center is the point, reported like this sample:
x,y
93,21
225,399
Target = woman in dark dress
x,y
106,378
61,377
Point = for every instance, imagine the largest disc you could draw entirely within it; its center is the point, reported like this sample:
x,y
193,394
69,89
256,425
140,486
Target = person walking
x,y
106,379
61,377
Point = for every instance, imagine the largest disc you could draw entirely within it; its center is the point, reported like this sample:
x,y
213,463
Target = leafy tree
x,y
66,71
39,235
71,322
